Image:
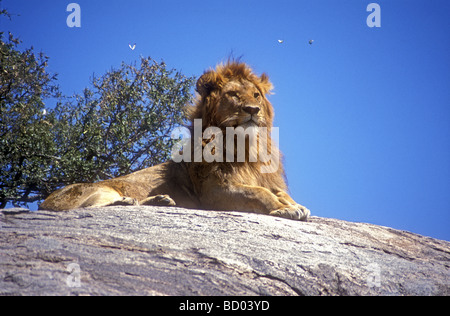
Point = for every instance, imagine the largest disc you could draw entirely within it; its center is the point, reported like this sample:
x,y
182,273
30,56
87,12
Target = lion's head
x,y
231,96
232,104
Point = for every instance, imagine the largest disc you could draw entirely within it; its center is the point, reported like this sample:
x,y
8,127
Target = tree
x,y
121,124
25,137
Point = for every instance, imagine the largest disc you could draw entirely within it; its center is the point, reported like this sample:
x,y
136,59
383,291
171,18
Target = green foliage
x,y
25,137
118,125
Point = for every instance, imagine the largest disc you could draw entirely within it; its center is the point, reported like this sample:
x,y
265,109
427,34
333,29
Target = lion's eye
x,y
256,95
233,94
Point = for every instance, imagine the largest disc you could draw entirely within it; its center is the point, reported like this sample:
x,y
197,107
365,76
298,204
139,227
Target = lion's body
x,y
165,179
230,97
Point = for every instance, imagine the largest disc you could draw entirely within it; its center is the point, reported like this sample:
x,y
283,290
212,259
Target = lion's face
x,y
241,103
233,96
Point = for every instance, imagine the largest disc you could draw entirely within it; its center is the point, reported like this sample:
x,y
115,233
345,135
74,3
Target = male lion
x,y
230,96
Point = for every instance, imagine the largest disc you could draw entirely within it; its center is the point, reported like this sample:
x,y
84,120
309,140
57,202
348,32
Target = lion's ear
x,y
207,82
265,84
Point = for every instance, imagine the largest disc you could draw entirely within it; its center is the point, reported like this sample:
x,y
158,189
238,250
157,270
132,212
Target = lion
x,y
231,96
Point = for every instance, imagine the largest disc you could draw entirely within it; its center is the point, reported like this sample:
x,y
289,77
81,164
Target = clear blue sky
x,y
363,112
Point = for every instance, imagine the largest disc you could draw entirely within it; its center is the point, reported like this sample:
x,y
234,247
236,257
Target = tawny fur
x,y
229,96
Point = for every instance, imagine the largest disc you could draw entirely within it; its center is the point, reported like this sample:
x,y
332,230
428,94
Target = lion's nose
x,y
250,109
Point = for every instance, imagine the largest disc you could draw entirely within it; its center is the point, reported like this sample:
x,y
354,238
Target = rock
x,y
143,250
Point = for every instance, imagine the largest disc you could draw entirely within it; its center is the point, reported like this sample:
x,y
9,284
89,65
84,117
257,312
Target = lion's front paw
x,y
297,212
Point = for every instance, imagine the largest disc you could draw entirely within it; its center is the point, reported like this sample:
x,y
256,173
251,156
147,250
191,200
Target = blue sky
x,y
363,112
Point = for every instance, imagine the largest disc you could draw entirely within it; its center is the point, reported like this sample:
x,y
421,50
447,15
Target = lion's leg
x,y
106,196
158,200
124,201
255,199
82,195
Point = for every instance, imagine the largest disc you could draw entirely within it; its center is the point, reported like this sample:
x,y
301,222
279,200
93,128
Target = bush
x,y
120,125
